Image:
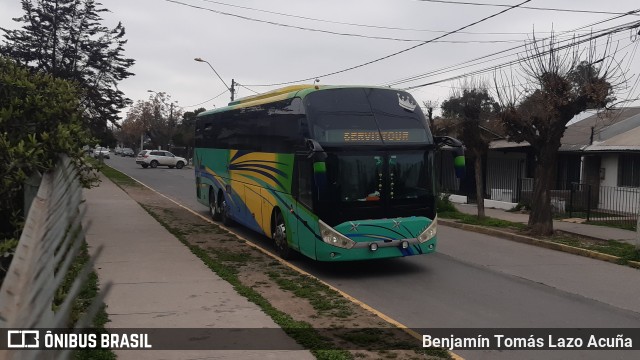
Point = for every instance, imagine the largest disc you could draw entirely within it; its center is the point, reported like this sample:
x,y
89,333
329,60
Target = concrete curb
x,y
537,242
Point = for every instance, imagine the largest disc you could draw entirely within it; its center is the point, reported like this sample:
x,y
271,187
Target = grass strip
x,y
300,331
486,221
625,251
118,177
82,303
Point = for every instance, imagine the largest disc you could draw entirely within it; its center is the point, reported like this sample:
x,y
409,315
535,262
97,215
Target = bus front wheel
x,y
214,210
280,236
224,213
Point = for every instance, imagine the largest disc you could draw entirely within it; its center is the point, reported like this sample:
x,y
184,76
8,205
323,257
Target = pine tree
x,y
65,39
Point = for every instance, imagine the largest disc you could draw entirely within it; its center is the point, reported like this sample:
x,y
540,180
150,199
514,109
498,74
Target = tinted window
x,y
366,116
356,177
342,115
409,175
274,127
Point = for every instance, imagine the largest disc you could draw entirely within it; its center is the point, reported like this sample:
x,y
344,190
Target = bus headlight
x,y
430,232
332,237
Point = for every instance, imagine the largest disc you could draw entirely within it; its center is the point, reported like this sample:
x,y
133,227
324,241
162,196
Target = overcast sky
x,y
165,36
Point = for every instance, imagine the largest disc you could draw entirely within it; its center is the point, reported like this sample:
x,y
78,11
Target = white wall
x,y
612,197
609,162
503,171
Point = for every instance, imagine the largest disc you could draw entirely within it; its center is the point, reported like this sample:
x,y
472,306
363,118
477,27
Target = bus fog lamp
x,y
373,246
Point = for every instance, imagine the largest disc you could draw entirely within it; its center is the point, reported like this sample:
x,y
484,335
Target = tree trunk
x,y
541,218
479,185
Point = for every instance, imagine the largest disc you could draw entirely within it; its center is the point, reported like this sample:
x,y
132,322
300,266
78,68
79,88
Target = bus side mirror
x,y
458,153
315,151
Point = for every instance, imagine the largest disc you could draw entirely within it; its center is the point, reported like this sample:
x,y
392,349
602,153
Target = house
x,y
604,150
598,166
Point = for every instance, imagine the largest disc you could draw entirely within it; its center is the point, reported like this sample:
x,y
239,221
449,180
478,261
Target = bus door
x,y
304,204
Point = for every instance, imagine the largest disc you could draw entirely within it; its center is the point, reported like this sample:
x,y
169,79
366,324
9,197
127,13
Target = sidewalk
x,y
599,232
159,283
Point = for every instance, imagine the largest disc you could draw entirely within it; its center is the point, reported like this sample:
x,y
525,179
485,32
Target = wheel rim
x,y
223,209
179,165
154,164
280,233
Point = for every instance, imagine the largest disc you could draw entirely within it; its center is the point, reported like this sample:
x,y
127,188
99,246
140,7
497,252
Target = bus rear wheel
x,y
280,236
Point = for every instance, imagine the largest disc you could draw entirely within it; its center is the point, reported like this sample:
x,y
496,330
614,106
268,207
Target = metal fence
x,y
52,237
606,205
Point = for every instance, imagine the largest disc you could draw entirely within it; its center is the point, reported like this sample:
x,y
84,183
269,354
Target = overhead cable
x,y
401,51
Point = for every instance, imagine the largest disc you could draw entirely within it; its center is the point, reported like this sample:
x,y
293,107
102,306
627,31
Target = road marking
x,y
299,270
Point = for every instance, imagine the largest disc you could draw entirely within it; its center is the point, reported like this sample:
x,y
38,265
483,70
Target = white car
x,y
155,158
101,152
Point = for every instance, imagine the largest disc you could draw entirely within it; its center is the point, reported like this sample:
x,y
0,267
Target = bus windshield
x,y
376,176
366,116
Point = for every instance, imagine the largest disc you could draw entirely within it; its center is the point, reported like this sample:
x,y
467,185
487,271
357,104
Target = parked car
x,y
155,158
101,152
117,150
127,152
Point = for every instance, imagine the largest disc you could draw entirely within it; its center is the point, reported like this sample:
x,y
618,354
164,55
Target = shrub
x,y
443,204
39,119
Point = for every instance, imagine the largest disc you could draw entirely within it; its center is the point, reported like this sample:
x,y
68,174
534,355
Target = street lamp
x,y
233,83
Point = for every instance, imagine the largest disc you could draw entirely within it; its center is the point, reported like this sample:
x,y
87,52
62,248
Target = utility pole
x,y
233,89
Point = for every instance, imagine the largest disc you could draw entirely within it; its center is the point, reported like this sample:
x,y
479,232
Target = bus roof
x,y
279,94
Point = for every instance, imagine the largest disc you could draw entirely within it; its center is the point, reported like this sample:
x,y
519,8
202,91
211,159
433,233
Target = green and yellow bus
x,y
336,173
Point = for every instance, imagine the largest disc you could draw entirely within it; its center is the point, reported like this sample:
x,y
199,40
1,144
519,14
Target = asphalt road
x,y
473,281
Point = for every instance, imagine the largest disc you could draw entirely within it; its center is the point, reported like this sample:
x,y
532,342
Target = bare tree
x,y
429,105
553,84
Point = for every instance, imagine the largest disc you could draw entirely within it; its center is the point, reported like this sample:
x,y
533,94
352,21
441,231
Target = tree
x,y
471,110
64,38
555,84
39,119
185,133
129,133
429,105
155,118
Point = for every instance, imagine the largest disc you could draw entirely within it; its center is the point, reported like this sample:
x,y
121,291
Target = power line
x,y
501,66
206,101
460,66
255,92
493,68
329,31
524,7
401,51
357,24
